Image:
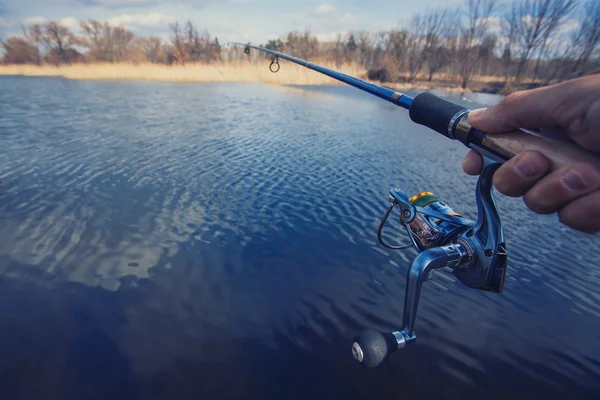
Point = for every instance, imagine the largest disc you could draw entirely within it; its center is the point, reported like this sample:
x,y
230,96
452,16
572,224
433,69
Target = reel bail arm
x,y
475,251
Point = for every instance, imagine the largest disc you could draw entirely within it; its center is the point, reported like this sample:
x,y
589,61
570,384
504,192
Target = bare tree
x,y
302,45
473,32
535,20
437,58
34,35
350,48
395,48
509,32
338,51
104,42
558,11
18,50
122,39
61,43
427,31
587,37
179,53
364,42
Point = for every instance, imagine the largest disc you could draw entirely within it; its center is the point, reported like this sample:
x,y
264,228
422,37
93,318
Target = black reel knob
x,y
371,348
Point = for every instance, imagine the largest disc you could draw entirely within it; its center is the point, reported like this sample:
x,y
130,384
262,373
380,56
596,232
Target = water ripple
x,y
228,213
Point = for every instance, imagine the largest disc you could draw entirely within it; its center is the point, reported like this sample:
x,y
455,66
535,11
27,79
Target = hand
x,y
571,108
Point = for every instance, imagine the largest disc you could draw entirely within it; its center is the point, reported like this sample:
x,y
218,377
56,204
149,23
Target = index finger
x,y
572,107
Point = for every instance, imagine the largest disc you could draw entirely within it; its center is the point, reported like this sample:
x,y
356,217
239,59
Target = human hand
x,y
572,109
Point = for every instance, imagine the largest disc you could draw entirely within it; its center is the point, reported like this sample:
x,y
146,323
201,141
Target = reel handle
x,y
372,348
450,120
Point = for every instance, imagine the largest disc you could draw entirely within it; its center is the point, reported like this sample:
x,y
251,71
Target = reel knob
x,y
371,348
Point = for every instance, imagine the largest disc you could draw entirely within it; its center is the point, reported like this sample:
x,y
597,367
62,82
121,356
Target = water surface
x,y
162,240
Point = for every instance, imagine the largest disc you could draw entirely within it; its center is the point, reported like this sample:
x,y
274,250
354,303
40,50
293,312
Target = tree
x,y
60,41
427,31
152,48
509,30
217,49
104,42
395,48
179,54
485,53
338,51
437,58
350,48
19,50
365,49
534,21
558,11
275,45
586,38
473,32
302,45
34,35
121,41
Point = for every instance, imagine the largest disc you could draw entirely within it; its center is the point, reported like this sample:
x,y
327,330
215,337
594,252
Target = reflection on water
x,y
176,240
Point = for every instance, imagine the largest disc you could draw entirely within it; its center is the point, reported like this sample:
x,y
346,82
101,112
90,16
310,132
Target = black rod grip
x,y
433,112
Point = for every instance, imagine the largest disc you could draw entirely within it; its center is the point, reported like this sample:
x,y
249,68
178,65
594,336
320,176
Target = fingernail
x,y
574,181
527,168
477,113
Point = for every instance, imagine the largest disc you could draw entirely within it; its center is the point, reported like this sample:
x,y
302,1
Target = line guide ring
x,y
274,67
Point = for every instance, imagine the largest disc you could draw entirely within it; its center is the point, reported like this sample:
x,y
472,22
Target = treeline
x,y
538,41
98,41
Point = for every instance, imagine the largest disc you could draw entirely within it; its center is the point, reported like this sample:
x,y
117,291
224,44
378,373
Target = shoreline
x,y
256,72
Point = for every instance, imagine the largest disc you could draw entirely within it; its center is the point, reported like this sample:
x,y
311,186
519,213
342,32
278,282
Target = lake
x,y
191,241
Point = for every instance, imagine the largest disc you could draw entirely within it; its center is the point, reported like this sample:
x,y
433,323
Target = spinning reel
x,y
475,251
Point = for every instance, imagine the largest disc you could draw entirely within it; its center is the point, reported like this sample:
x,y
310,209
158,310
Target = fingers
x,y
472,163
519,174
573,192
562,187
572,107
531,109
583,214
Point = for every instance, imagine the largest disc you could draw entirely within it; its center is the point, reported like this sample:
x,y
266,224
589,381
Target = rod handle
x,y
450,120
559,153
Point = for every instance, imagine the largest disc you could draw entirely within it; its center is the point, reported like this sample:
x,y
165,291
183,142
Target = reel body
x,y
474,250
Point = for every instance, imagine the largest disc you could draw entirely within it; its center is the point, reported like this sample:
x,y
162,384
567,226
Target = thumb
x,y
488,120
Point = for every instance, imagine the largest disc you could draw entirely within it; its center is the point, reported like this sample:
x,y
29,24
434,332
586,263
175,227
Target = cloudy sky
x,y
245,20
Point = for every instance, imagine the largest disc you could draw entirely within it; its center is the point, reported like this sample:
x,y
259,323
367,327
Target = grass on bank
x,y
242,71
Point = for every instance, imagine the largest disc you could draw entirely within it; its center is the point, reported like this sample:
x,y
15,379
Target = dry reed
x,y
290,74
240,71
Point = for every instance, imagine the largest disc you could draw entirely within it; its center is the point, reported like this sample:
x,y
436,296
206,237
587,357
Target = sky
x,y
229,20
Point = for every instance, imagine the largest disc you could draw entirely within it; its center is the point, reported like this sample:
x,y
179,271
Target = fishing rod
x,y
475,251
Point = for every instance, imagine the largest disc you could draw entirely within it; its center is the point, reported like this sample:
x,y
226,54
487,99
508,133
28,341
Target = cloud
x,y
34,20
494,24
330,36
137,21
70,23
569,26
122,3
326,11
144,3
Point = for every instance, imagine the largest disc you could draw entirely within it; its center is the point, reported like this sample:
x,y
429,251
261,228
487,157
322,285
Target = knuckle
x,y
582,214
502,181
539,204
511,100
579,223
510,183
589,172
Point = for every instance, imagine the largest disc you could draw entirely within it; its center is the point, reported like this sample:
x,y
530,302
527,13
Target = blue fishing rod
x,y
475,251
